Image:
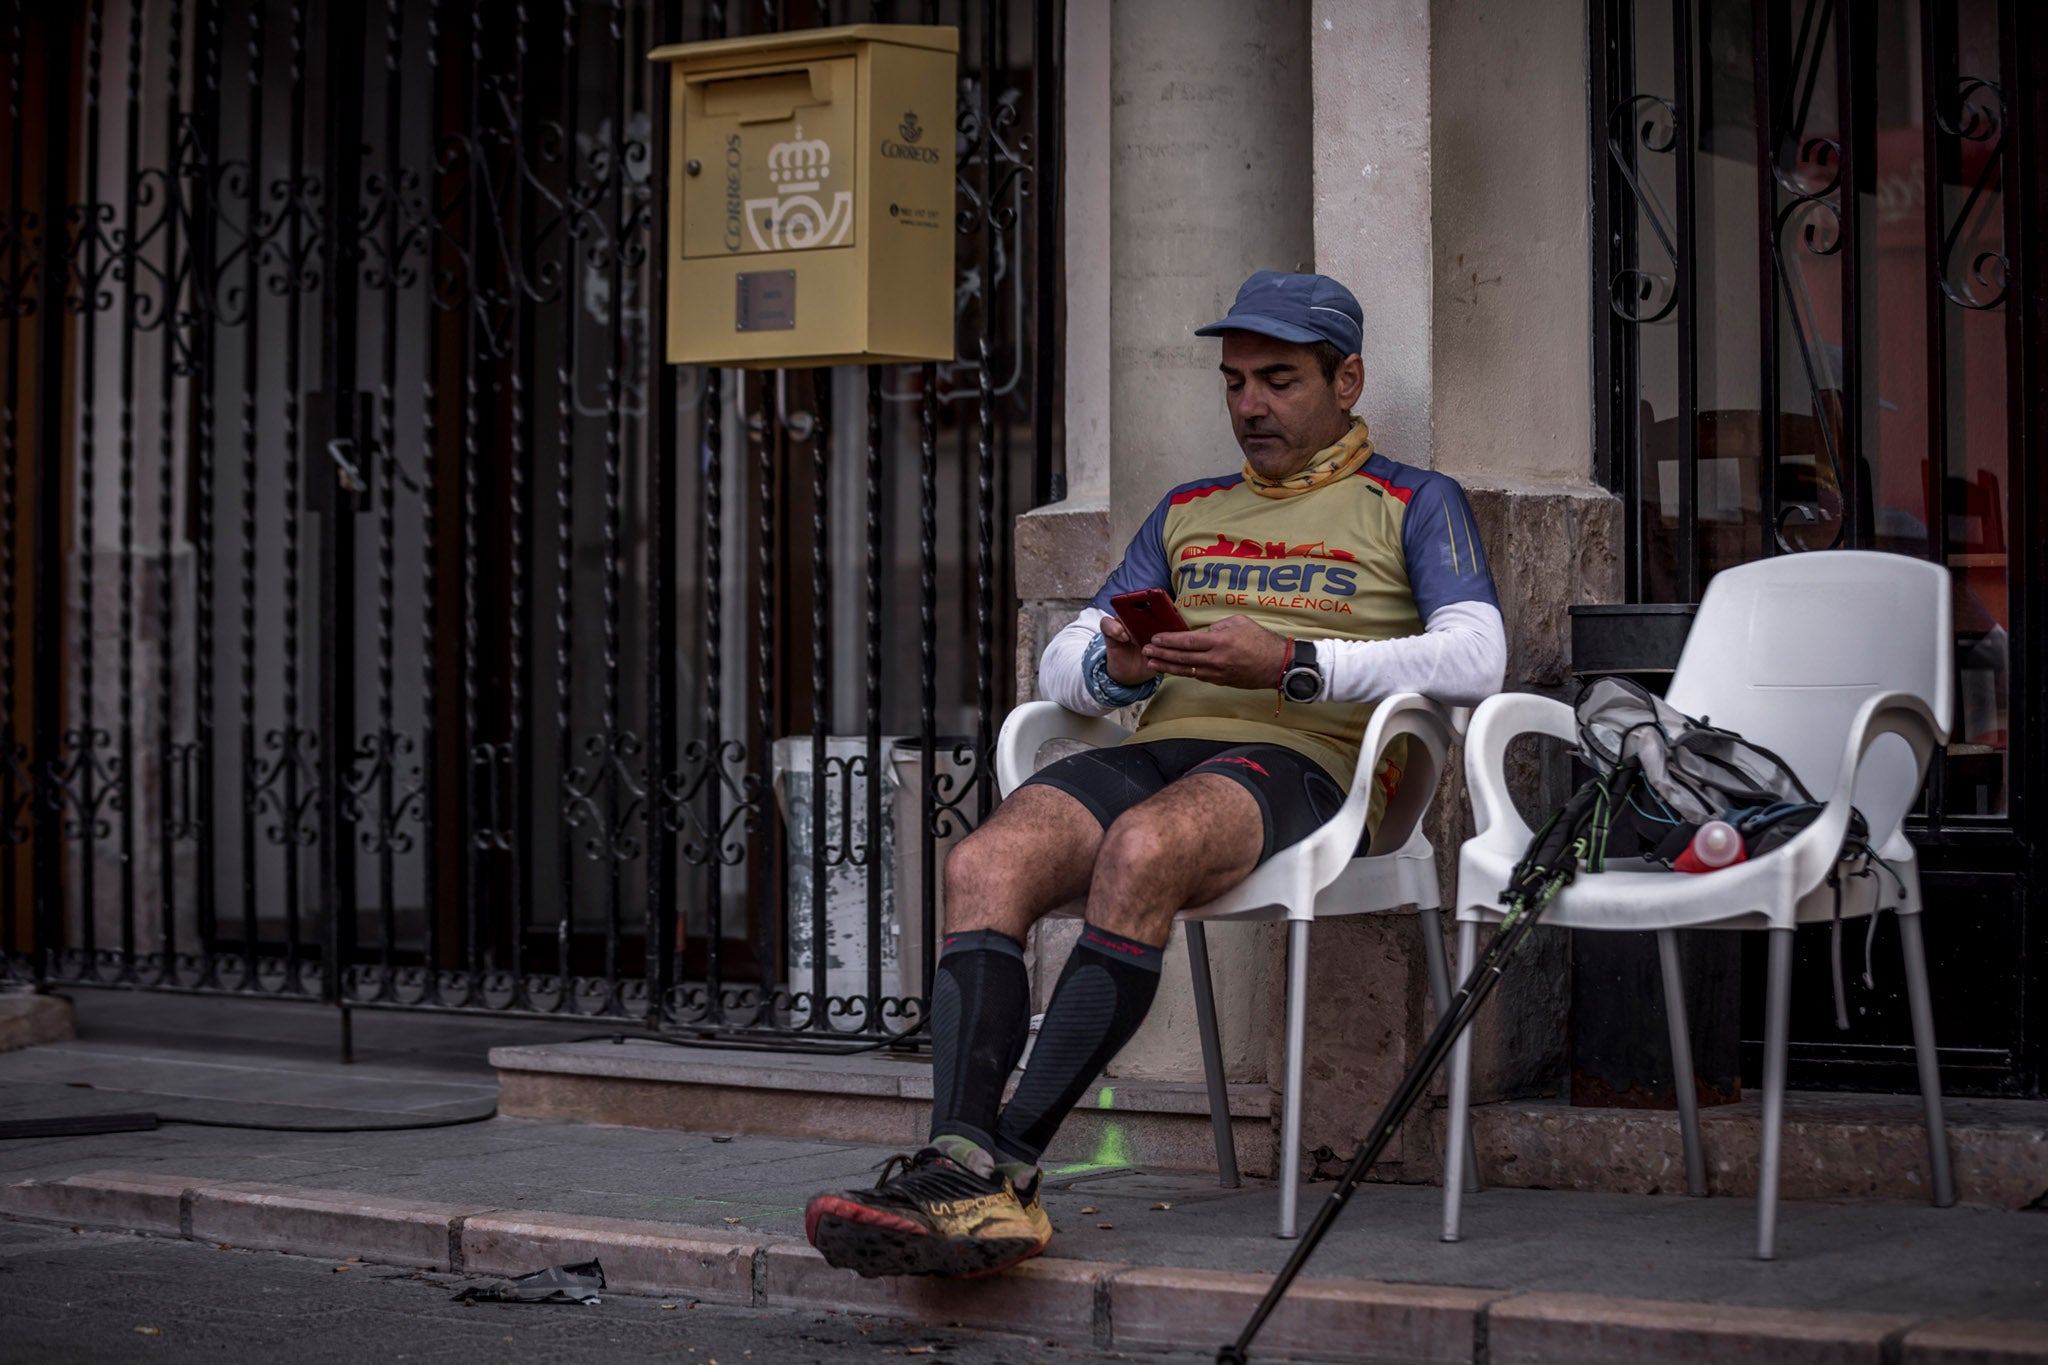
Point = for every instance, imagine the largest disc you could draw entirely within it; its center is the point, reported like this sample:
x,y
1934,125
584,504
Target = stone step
x,y
1836,1146
863,1097
28,1019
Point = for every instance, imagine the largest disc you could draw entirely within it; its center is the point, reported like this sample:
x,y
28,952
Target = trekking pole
x,y
1514,928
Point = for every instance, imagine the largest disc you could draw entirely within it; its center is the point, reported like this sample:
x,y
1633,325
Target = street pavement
x,y
278,1063
94,1296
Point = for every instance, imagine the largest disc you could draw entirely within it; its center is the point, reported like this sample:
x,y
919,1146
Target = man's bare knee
x,y
973,870
1183,847
1032,854
986,862
1134,890
1135,846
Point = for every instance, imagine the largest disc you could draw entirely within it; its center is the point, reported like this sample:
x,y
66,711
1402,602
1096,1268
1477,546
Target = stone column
x,y
1063,550
1372,201
1188,128
1450,195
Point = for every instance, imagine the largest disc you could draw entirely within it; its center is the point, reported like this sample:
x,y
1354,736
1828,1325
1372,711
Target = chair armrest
x,y
1427,724
1497,721
1031,726
1815,848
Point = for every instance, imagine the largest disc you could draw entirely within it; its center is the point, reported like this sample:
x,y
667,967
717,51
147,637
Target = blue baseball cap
x,y
1301,308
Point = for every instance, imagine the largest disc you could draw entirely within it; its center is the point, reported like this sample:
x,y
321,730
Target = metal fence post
x,y
48,720
338,327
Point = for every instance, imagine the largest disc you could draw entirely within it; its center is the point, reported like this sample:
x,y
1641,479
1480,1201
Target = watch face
x,y
1302,684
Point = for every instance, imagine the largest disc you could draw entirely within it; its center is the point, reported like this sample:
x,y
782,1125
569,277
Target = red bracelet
x,y
1280,683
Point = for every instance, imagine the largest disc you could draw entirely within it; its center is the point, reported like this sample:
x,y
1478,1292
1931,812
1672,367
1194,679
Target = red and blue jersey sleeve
x,y
1144,563
1440,542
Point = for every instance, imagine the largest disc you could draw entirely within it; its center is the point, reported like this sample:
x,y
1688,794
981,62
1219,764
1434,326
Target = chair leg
x,y
1458,1124
1212,1054
1440,992
1297,1039
1777,1024
1915,950
1681,1064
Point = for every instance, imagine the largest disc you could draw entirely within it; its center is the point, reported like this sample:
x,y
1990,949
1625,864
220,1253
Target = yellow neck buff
x,y
1331,464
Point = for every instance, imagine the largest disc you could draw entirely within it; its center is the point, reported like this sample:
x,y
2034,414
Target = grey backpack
x,y
1693,772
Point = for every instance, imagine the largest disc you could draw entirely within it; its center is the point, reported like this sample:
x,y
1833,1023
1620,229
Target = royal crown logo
x,y
799,165
909,130
794,218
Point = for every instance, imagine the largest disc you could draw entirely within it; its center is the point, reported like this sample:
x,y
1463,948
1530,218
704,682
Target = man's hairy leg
x,y
1188,844
1032,854
1185,846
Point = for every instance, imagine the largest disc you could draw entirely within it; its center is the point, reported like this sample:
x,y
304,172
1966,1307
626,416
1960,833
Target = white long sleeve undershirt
x,y
1460,659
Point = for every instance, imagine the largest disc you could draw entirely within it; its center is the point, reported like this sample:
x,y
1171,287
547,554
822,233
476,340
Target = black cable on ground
x,y
91,1125
420,1126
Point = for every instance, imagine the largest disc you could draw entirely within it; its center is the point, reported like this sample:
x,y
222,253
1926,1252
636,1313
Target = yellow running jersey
x,y
1368,557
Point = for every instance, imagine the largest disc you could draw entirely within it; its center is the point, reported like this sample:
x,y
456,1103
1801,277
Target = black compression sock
x,y
1101,999
981,1015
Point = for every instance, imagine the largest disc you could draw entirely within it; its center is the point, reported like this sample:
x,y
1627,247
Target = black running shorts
x,y
1295,795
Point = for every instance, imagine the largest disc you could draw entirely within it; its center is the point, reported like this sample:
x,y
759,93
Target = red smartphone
x,y
1146,614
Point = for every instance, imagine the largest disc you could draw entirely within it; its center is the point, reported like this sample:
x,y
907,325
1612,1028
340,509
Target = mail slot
x,y
811,197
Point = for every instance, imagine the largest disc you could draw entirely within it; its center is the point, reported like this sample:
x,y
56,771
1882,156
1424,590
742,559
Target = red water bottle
x,y
1716,845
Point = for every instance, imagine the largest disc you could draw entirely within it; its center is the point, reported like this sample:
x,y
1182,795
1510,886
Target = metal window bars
x,y
402,633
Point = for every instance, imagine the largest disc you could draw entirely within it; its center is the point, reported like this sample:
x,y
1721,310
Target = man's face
x,y
1282,410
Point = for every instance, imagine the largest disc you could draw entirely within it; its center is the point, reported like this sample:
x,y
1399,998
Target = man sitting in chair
x,y
1320,579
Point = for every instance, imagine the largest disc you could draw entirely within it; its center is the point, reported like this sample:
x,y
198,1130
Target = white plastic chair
x,y
1836,661
1317,877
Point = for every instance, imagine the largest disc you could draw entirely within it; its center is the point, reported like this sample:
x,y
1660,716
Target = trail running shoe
x,y
930,1214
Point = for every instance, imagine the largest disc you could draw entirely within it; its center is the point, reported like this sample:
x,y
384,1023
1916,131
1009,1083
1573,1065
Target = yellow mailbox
x,y
811,197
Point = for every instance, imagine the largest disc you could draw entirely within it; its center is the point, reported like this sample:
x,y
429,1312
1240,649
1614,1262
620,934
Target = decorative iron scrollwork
x,y
1811,186
492,766
16,821
950,793
1975,113
681,793
287,787
845,770
1637,295
86,785
377,758
91,257
982,139
783,1016
381,265
591,797
188,816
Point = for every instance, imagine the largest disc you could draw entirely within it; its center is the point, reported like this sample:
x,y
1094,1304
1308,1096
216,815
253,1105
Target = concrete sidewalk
x,y
1541,1276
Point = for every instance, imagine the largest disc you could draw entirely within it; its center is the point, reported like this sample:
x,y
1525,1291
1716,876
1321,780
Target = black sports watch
x,y
1303,680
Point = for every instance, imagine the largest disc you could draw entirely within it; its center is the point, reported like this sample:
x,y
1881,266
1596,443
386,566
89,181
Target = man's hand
x,y
1235,652
1125,664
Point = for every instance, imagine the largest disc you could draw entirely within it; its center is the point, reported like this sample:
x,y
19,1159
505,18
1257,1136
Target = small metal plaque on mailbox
x,y
767,301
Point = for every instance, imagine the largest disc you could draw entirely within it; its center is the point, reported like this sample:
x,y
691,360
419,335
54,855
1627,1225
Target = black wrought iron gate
x,y
383,624
1821,324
